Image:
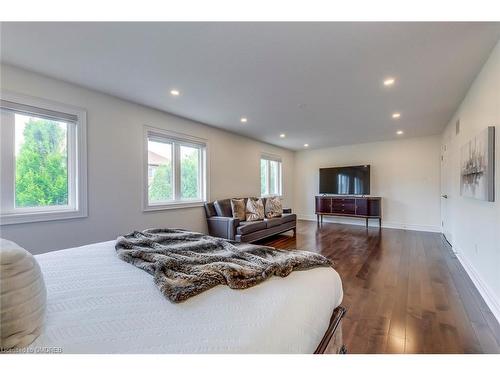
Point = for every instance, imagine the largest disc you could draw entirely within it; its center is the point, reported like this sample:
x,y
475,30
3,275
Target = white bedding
x,y
97,303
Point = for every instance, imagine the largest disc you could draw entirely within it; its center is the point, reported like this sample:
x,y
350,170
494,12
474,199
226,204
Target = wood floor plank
x,y
405,291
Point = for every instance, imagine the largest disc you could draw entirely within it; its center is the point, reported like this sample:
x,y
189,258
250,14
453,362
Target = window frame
x,y
177,140
268,158
77,206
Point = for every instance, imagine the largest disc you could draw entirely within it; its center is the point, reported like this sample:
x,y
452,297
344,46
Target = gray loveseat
x,y
222,224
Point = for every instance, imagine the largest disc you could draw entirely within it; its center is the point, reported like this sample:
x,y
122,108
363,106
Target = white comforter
x,y
98,303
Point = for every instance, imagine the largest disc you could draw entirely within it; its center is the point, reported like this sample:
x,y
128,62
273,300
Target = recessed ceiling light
x,y
282,135
399,132
243,119
389,81
306,144
174,92
396,115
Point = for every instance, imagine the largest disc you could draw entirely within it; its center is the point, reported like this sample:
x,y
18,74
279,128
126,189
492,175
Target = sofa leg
x,y
294,232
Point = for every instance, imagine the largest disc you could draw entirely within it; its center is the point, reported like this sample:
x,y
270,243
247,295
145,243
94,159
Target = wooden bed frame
x,y
337,316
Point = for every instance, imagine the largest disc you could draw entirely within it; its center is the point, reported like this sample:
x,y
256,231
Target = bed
x,y
97,303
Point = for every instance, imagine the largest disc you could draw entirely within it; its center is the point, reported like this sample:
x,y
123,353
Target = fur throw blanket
x,y
185,263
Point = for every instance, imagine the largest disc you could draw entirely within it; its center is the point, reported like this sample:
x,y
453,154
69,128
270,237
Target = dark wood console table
x,y
349,206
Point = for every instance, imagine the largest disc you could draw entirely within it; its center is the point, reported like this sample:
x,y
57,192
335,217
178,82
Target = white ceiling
x,y
320,83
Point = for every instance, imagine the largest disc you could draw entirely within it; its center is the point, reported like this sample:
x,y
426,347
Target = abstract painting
x,y
477,166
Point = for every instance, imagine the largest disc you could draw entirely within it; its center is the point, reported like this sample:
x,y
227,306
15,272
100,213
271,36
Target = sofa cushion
x,y
210,209
238,208
255,209
223,207
273,207
246,227
254,236
288,217
273,222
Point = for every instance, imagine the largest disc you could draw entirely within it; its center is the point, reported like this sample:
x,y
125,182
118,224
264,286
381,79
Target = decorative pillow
x,y
274,208
255,209
22,296
238,207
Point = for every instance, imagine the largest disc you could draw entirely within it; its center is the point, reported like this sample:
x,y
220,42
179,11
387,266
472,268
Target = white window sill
x,y
33,217
173,205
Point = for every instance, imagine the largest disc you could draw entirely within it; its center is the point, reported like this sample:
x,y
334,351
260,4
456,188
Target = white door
x,y
445,192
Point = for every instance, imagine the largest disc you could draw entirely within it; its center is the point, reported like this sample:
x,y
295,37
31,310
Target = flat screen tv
x,y
354,180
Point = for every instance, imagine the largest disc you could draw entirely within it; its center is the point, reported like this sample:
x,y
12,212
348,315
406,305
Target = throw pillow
x,y
255,209
22,296
238,207
274,208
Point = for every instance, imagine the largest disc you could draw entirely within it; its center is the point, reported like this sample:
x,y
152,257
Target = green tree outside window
x,y
160,189
42,165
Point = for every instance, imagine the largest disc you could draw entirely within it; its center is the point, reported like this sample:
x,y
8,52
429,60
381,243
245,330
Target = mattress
x,y
97,303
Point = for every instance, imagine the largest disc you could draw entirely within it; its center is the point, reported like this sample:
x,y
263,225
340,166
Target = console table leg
x,y
367,222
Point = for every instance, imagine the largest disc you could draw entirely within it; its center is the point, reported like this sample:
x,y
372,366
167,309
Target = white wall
x,y
115,131
474,224
405,173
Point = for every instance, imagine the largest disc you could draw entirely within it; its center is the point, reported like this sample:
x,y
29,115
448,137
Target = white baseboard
x,y
372,223
483,289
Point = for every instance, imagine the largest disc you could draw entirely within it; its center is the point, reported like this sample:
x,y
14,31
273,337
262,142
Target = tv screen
x,y
353,180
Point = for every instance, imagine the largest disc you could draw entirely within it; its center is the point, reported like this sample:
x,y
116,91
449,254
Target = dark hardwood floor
x,y
405,291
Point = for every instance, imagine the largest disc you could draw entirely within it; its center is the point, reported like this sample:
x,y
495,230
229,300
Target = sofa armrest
x,y
222,226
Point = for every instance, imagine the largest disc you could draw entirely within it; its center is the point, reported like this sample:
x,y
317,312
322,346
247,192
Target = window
x,y
270,176
42,160
176,170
